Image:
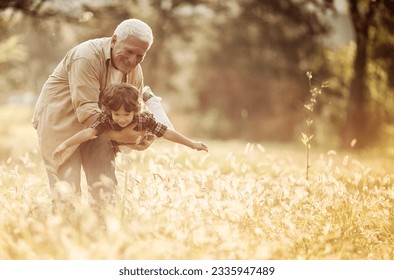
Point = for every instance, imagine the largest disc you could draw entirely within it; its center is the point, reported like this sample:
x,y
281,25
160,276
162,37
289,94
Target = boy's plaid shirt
x,y
145,120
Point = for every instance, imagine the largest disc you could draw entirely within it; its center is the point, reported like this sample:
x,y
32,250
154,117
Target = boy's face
x,y
121,117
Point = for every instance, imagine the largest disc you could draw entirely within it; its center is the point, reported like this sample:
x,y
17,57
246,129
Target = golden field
x,y
239,201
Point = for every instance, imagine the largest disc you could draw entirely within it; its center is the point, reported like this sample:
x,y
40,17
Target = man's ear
x,y
114,38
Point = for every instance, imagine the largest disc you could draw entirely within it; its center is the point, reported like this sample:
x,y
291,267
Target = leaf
x,y
353,143
304,138
261,148
345,160
247,148
331,152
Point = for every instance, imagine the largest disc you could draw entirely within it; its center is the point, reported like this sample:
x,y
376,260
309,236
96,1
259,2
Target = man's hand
x,y
144,143
126,135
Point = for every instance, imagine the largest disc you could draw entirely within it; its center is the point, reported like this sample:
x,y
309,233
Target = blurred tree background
x,y
228,68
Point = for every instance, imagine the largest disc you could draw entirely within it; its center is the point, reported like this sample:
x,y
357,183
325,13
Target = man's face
x,y
127,54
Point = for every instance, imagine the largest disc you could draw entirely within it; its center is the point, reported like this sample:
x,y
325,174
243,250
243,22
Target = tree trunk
x,y
358,124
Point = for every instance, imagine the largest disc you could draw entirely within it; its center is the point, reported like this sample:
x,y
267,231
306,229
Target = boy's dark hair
x,y
124,94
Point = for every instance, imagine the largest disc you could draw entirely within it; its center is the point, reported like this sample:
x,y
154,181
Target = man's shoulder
x,y
92,48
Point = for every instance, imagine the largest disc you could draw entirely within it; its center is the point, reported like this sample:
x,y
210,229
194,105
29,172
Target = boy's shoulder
x,y
105,122
104,118
146,114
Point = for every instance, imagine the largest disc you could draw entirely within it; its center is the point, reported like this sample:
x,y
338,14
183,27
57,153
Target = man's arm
x,y
153,103
91,120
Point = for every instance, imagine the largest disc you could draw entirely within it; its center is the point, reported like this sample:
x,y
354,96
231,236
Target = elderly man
x,y
69,102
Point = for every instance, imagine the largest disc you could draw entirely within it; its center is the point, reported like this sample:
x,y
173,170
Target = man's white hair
x,y
134,27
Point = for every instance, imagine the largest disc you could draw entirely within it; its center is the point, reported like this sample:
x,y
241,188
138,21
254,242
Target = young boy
x,y
121,107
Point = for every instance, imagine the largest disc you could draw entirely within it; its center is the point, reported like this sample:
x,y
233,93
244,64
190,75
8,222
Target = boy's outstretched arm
x,y
176,137
78,138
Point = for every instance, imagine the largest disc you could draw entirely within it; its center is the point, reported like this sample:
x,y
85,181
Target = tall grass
x,y
307,136
240,201
176,204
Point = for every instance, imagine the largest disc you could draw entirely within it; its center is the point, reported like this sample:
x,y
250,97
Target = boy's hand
x,y
199,146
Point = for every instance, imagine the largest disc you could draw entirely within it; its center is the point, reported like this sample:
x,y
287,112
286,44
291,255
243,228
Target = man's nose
x,y
132,59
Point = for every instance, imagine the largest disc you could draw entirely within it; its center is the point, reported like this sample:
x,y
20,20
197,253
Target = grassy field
x,y
239,201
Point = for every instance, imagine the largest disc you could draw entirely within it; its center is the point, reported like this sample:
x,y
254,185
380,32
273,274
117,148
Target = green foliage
x,y
262,108
369,19
11,50
240,61
255,66
337,68
12,53
380,95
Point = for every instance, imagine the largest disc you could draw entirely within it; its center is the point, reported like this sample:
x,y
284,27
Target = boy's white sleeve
x,y
154,106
